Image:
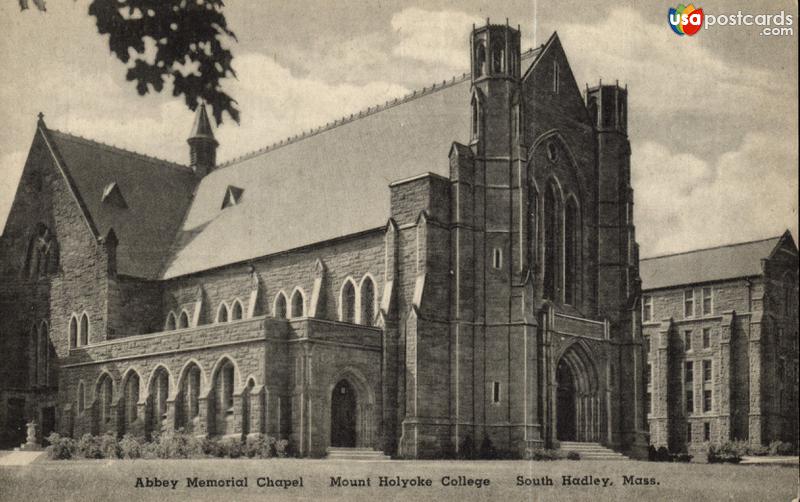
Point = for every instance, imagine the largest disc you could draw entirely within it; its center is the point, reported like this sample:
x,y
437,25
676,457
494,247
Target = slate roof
x,y
706,265
329,183
157,194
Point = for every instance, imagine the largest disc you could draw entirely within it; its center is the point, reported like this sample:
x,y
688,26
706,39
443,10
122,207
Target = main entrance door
x,y
343,415
565,404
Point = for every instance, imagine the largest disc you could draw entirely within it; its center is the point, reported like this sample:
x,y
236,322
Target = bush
x,y
573,455
130,447
729,452
89,447
467,449
781,448
544,454
176,444
61,448
259,446
652,453
109,446
282,448
681,457
662,454
487,450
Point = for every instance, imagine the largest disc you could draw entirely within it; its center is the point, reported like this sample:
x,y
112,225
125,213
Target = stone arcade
x,y
490,291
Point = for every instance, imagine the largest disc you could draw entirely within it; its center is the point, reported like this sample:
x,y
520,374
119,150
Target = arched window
x,y
592,107
516,127
189,397
83,333
73,332
43,373
298,304
104,394
552,242
348,302
279,309
572,252
81,398
476,118
223,397
159,392
42,257
236,311
222,313
534,226
247,398
130,401
367,301
480,59
556,77
183,320
498,61
171,323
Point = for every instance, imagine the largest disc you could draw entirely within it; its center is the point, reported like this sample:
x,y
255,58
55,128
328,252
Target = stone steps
x,y
364,454
592,451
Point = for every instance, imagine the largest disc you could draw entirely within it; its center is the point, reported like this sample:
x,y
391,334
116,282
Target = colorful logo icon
x,y
685,19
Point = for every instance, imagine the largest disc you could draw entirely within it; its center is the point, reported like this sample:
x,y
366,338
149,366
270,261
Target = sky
x,y
713,118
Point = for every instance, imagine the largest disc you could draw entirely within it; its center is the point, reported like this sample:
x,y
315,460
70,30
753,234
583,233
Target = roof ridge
x,y
729,245
370,110
113,148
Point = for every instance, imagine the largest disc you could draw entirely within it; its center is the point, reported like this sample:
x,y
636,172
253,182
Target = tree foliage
x,y
163,40
178,40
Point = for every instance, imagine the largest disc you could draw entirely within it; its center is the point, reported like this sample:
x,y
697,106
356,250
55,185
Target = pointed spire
x,y
202,144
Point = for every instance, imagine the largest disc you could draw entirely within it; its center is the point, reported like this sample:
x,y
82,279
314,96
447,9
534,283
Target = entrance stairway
x,y
592,451
350,454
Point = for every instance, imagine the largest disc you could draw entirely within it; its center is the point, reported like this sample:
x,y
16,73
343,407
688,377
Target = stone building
x,y
455,265
720,329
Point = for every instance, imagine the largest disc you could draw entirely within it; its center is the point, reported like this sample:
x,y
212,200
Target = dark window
x,y
707,400
647,373
592,107
480,59
498,61
279,311
105,394
236,311
84,331
495,392
497,258
476,118
367,302
706,371
707,302
73,332
298,304
687,340
689,433
689,401
572,253
647,308
226,398
222,313
706,431
171,322
689,371
183,320
688,303
706,338
348,302
552,237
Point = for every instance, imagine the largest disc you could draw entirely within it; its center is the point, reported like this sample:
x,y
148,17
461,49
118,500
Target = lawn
x,y
89,480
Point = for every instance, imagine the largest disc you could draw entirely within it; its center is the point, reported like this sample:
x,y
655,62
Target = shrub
x,y
231,447
130,447
109,446
89,447
573,455
467,449
61,448
730,452
681,457
259,446
543,454
487,450
282,448
781,448
652,453
662,454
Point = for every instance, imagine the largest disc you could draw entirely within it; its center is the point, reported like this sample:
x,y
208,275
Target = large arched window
x,y
104,394
593,110
476,118
189,397
572,252
236,311
367,301
223,384
498,59
348,302
159,393
298,304
171,323
480,59
130,401
42,257
279,308
183,320
73,332
222,313
83,334
552,243
81,398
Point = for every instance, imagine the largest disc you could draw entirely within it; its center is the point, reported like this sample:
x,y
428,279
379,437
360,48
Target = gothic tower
x,y
202,144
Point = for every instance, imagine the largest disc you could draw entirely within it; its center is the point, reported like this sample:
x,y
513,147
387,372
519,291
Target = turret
x,y
202,144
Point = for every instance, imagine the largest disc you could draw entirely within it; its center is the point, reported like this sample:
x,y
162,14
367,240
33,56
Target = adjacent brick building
x,y
720,330
456,265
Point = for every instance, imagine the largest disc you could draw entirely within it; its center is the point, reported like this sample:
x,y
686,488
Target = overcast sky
x,y
713,117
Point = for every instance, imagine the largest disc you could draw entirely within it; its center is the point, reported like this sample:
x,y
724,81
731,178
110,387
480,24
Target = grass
x,y
89,480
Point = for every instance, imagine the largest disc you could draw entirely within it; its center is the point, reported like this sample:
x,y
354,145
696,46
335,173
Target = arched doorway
x,y
565,403
576,400
343,415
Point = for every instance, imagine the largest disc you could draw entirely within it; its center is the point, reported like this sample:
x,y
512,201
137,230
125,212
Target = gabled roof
x,y
731,261
156,192
328,183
